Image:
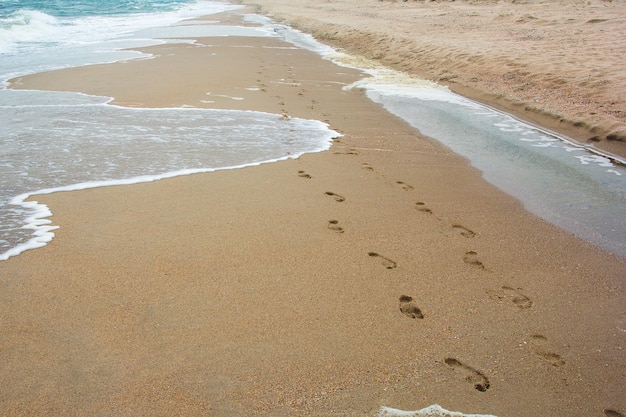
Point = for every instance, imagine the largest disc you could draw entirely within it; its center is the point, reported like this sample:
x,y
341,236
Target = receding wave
x,y
64,141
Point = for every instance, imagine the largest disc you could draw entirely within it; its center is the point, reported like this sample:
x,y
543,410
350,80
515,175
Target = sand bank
x,y
557,64
293,288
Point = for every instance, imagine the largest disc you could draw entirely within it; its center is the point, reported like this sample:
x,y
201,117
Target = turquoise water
x,y
77,8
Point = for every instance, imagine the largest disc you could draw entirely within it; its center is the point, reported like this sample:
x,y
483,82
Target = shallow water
x,y
62,141
562,182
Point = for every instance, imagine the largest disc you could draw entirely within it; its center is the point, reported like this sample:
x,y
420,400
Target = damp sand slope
x,y
556,64
384,272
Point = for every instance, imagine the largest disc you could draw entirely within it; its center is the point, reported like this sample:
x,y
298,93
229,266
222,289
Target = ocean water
x,y
53,141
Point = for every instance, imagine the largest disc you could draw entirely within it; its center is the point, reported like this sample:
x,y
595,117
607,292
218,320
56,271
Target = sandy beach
x,y
383,272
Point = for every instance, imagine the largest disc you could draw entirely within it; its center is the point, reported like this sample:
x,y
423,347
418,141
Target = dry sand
x,y
561,64
293,288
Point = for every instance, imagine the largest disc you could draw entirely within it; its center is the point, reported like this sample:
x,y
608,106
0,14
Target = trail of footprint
x,y
474,377
471,258
538,344
387,263
334,226
303,174
465,232
337,197
367,166
405,186
612,413
409,308
421,207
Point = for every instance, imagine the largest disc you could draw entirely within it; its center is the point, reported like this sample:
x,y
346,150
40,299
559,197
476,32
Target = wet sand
x,y
384,271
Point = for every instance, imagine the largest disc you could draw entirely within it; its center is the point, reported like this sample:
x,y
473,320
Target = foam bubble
x,y
434,410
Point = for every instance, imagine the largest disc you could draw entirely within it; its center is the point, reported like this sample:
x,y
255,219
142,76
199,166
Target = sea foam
x,y
434,410
26,26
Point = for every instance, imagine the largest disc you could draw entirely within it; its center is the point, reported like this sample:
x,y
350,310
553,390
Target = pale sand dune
x,y
561,64
384,272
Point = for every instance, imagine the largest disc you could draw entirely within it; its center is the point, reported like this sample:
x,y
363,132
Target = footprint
x,y
538,344
334,226
409,308
513,294
612,413
465,232
367,166
337,197
303,174
519,299
419,206
349,151
387,263
405,187
471,258
474,377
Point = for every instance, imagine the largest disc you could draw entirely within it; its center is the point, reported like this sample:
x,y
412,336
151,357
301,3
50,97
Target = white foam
x,y
434,410
26,26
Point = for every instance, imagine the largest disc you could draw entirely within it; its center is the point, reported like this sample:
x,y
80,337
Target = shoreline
x,y
530,71
288,288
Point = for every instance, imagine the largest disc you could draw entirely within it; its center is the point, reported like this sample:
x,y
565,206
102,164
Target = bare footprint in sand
x,y
519,299
612,413
334,226
337,197
471,258
474,376
421,207
465,232
538,344
303,174
387,263
409,308
347,152
405,186
513,294
367,166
